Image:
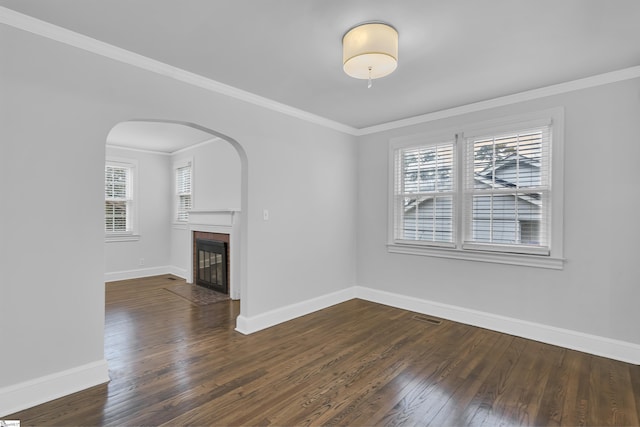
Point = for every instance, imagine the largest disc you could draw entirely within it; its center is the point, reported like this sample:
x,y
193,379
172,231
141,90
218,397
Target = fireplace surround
x,y
224,224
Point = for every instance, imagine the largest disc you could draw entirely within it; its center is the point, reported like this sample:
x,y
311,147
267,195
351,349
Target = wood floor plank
x,y
357,363
480,364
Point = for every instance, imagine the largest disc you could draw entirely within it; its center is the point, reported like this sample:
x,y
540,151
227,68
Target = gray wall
x,y
153,200
216,185
597,292
58,105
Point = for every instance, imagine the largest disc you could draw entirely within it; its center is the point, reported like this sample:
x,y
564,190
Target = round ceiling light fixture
x,y
370,51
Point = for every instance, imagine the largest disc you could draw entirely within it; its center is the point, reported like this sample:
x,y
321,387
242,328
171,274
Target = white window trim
x,y
554,260
187,161
134,233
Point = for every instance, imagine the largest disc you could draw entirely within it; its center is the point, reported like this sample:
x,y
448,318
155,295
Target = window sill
x,y
481,256
180,225
121,238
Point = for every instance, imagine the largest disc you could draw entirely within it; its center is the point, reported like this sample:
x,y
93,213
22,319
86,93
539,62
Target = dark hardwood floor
x,y
357,363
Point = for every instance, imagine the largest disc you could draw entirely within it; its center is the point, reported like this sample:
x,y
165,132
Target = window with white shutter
x,y
184,200
507,191
119,206
485,192
424,193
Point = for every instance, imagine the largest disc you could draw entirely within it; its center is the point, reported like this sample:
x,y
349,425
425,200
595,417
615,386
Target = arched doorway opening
x,y
168,137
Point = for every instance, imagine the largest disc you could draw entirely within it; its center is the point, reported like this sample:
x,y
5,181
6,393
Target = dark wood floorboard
x,y
173,363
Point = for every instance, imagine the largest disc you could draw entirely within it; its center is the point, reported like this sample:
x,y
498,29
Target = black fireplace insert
x,y
211,265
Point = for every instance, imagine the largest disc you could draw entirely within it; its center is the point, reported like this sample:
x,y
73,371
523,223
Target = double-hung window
x,y
184,197
507,191
119,208
424,194
486,192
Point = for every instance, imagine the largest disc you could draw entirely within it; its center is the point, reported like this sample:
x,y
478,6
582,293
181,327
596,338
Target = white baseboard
x,y
138,273
177,271
593,344
249,325
30,393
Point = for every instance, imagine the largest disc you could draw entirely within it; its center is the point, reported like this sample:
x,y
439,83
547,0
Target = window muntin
x,y
118,199
183,193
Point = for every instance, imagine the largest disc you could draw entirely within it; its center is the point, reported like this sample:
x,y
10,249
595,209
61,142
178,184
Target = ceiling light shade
x,y
370,50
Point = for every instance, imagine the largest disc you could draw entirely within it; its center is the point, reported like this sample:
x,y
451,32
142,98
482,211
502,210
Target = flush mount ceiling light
x,y
370,51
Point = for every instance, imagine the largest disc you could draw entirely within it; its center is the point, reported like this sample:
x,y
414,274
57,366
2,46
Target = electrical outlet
x,y
265,215
141,261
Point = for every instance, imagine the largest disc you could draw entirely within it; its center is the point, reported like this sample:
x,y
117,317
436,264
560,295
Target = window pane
x,y
483,163
115,216
428,219
512,161
427,169
116,182
183,191
425,189
506,178
481,222
507,219
183,180
410,172
117,192
184,205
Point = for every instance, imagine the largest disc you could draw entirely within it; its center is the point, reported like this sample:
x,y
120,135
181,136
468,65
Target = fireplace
x,y
222,225
211,262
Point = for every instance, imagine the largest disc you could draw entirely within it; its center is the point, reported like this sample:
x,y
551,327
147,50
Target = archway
x,y
239,249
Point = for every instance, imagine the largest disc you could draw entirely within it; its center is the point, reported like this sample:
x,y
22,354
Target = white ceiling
x,y
451,53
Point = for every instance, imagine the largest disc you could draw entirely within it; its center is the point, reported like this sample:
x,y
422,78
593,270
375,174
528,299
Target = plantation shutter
x,y
117,199
424,194
183,191
507,189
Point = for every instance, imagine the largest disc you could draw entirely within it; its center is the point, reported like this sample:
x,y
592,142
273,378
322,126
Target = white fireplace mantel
x,y
224,221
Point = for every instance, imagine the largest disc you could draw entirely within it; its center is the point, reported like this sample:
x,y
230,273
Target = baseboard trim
x,y
30,393
138,273
177,271
248,325
592,344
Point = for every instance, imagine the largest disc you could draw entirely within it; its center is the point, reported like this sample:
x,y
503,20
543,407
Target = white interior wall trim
x,y
178,271
198,145
136,150
30,393
138,273
597,345
557,89
248,325
592,344
80,41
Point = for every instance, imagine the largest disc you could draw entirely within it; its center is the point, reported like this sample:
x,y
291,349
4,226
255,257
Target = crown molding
x,y
137,150
557,89
80,41
163,153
